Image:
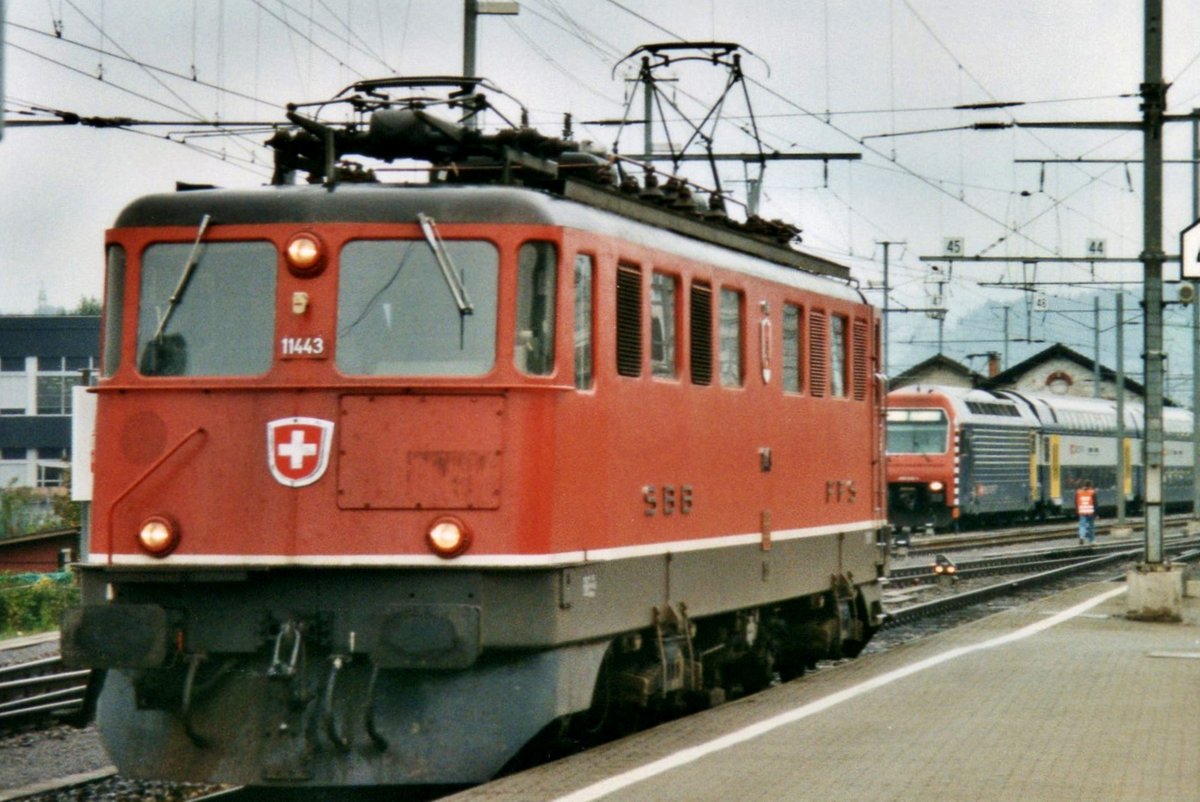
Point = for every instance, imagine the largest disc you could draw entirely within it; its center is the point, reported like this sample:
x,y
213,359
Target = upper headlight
x,y
305,254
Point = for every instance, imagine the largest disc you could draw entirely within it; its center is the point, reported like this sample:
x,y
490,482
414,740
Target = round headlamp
x,y
158,535
305,254
448,537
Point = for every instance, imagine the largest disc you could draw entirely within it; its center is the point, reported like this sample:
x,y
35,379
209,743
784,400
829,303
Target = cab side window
x,y
793,353
732,369
583,321
837,356
662,325
533,351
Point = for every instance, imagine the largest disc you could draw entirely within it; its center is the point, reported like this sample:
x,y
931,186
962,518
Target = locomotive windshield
x,y
222,319
916,431
398,317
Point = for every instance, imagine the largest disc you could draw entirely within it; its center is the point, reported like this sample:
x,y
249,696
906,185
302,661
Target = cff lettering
x,y
840,491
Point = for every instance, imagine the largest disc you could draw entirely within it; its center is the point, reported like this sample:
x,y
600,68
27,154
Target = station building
x,y
1056,370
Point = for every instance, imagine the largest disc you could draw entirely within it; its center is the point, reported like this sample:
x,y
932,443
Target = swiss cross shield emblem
x,y
298,449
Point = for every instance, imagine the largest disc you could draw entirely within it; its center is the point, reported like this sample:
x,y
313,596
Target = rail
x,y
34,692
915,612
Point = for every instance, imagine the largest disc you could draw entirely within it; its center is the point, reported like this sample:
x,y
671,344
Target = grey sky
x,y
876,67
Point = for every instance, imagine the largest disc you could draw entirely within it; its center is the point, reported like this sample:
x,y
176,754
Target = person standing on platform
x,y
1085,507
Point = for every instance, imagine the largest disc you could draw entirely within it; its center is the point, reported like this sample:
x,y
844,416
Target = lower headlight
x,y
936,487
448,537
158,535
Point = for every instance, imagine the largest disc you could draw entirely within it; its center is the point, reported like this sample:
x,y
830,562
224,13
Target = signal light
x,y
158,535
448,537
944,566
305,255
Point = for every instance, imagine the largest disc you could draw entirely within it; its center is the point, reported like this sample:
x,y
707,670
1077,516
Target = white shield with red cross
x,y
298,449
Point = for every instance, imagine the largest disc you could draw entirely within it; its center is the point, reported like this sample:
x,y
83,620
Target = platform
x,y
1061,699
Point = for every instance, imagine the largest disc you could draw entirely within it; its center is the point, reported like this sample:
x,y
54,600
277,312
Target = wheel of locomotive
x,y
861,626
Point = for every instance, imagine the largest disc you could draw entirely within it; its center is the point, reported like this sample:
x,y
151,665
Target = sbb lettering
x,y
667,499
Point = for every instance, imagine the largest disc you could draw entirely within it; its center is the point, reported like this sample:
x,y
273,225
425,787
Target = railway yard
x,y
587,478
938,588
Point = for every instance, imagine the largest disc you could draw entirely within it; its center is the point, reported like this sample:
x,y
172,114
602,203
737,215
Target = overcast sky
x,y
824,76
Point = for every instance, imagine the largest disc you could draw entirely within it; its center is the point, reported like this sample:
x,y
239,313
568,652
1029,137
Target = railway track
x,y
39,691
1038,568
1024,561
927,544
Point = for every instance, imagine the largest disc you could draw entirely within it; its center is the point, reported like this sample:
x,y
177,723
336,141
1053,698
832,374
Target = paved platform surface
x,y
1062,699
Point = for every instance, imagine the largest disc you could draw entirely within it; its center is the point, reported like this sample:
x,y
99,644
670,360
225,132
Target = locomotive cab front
x,y
920,468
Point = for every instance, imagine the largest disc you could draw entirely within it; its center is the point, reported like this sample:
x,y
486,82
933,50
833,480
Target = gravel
x,y
29,759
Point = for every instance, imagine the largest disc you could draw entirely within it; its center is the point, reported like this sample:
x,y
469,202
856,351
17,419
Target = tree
x,y
16,509
64,509
88,305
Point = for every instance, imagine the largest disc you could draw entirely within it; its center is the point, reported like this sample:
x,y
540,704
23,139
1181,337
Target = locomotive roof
x,y
973,405
400,203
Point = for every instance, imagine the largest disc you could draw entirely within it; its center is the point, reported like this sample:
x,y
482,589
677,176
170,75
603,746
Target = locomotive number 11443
x,y
302,347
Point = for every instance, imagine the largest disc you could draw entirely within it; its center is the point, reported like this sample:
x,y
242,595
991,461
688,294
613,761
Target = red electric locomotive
x,y
392,478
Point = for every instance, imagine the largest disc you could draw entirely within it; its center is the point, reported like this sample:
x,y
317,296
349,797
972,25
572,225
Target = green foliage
x,y
88,305
32,603
24,511
66,511
18,510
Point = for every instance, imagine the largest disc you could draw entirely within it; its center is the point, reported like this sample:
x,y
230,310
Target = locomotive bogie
x,y
338,720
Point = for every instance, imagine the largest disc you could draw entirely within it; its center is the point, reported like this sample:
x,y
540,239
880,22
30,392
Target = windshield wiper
x,y
188,268
453,280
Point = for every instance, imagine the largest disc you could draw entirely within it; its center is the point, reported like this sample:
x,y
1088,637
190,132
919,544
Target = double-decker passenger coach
x,y
393,481
957,454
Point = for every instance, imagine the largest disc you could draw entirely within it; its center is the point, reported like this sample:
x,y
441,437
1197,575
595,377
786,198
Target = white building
x,y
41,358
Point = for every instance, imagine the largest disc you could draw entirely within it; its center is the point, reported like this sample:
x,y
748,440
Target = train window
x,y
701,334
537,266
730,355
221,324
837,356
398,317
114,308
917,431
662,325
629,320
793,363
818,355
583,321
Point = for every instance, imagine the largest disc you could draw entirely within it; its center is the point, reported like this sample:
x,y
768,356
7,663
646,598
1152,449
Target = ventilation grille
x,y
701,334
818,353
861,361
629,321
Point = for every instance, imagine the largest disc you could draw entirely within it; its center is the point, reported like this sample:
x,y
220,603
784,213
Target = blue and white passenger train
x,y
959,455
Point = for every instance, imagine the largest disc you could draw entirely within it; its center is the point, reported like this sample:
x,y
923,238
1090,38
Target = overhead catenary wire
x,y
862,210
